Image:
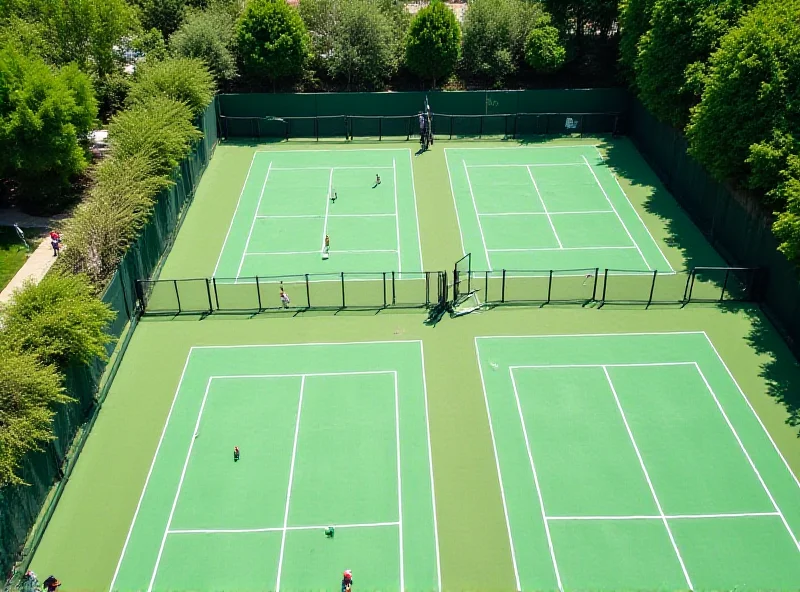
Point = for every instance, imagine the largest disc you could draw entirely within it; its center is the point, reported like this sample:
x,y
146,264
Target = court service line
x,y
318,216
149,474
748,457
327,209
416,217
455,205
633,365
669,517
559,249
339,150
544,207
430,465
333,168
536,480
180,486
278,528
545,336
253,224
399,482
647,478
316,344
317,252
499,472
750,405
500,166
635,211
396,221
548,213
303,374
235,211
527,147
477,217
628,232
289,487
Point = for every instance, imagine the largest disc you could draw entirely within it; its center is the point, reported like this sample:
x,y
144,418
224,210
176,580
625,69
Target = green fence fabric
x,y
732,224
20,506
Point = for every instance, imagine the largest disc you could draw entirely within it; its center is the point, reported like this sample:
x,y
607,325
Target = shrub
x,y
207,36
184,80
544,51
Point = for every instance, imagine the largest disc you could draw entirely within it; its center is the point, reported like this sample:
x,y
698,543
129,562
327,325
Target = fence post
x,y
652,287
343,301
485,286
394,291
384,289
691,285
216,294
177,296
605,285
724,284
686,287
258,294
208,291
380,129
549,286
308,293
451,127
594,288
503,288
480,130
140,290
581,124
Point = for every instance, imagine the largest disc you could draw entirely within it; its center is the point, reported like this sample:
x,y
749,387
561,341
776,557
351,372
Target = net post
x,y
258,294
394,291
549,286
380,129
308,293
140,294
208,292
486,286
503,288
177,295
605,285
216,294
343,300
652,288
384,289
427,288
691,285
594,287
686,287
725,284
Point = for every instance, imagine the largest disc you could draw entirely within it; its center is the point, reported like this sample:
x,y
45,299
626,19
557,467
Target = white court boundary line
x,y
396,222
416,216
318,216
668,516
455,205
317,253
430,464
233,218
271,345
332,168
253,223
477,217
514,165
522,250
327,210
635,211
278,528
544,207
548,213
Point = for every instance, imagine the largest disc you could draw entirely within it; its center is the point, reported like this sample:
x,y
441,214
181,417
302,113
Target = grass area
x,y
159,391
12,253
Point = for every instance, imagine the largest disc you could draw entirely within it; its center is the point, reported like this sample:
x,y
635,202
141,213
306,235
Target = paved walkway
x,y
40,261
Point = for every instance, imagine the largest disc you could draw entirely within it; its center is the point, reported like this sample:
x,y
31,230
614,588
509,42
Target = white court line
x,y
668,517
180,486
252,225
750,405
635,211
340,150
289,487
634,365
649,482
499,166
278,528
536,480
430,465
399,481
531,147
230,226
416,218
396,224
317,344
544,207
477,217
559,249
318,216
149,473
749,459
455,205
548,213
303,374
327,209
499,472
317,252
630,236
335,168
545,336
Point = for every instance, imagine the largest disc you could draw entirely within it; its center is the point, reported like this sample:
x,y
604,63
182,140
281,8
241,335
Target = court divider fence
x,y
404,127
606,286
329,291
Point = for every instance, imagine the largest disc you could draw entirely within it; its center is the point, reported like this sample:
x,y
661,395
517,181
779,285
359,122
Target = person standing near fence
x,y
55,242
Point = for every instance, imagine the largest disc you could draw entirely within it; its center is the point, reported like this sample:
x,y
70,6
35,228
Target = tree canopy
x,y
433,43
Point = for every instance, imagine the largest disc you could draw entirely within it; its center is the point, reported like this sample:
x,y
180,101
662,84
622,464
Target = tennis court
x,y
547,207
634,461
291,199
329,434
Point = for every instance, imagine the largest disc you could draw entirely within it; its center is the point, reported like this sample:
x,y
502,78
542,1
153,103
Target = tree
x,y
59,320
185,80
43,116
494,37
433,42
207,36
576,17
544,51
319,17
28,392
164,15
364,50
670,65
634,21
272,40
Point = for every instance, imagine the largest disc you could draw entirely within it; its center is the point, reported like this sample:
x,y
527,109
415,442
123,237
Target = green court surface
x,y
329,434
633,461
292,199
547,207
